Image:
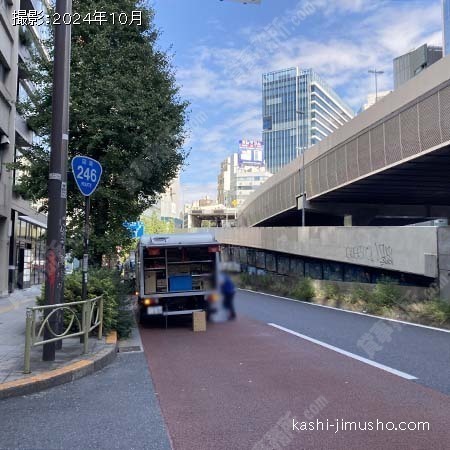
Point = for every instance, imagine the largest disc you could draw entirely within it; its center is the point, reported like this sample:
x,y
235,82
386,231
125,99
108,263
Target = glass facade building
x,y
320,112
27,252
238,179
446,11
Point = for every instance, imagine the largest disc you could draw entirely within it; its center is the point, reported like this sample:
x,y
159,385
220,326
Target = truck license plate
x,y
151,310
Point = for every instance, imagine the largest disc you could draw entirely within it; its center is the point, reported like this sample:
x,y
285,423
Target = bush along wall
x,y
385,298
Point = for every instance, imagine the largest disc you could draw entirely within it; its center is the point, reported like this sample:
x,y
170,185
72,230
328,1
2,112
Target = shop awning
x,y
33,221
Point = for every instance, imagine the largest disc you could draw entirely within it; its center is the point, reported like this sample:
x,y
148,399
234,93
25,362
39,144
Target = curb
x,y
350,311
65,374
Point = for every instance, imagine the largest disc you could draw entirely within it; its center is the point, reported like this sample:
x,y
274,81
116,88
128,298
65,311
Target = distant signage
x,y
251,152
136,228
87,173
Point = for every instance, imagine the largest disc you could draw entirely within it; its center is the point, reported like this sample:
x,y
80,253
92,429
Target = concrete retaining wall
x,y
404,249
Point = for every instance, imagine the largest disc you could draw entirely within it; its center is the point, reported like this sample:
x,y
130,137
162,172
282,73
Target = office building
x,y
22,228
446,17
411,64
224,180
241,173
299,110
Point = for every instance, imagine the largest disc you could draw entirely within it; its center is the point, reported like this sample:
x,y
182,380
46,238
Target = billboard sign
x,y
251,152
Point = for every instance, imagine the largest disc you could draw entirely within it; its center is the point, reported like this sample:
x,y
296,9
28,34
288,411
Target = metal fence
x,y
91,318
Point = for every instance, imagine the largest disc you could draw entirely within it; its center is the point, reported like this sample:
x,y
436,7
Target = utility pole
x,y
64,159
376,73
57,182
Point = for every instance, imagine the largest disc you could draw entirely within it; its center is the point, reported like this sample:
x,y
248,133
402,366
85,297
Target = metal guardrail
x,y
88,322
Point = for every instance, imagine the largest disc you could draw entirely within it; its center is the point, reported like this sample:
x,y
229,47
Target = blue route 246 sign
x,y
87,173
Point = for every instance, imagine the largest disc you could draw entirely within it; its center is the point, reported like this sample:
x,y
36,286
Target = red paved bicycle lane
x,y
227,389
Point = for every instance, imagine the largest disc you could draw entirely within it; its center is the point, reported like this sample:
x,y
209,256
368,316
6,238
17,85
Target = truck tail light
x,y
150,301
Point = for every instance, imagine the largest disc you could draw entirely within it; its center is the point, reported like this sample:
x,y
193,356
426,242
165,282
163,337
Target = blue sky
x,y
221,50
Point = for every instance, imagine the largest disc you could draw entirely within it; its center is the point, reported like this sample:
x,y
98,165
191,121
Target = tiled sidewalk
x,y
12,341
12,329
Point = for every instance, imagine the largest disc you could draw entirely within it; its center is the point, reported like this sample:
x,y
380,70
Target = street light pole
x,y
57,187
302,171
376,73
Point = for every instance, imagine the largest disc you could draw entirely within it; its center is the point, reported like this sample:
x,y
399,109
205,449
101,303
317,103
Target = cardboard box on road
x,y
199,321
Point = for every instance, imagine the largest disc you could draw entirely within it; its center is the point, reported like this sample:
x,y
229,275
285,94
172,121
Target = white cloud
x,y
350,37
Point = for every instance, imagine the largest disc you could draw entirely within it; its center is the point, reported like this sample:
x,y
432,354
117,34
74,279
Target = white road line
x,y
344,352
348,311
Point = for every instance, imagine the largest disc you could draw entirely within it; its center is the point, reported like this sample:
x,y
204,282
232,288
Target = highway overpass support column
x,y
359,220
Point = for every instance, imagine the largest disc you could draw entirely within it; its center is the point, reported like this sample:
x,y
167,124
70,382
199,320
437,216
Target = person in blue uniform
x,y
228,291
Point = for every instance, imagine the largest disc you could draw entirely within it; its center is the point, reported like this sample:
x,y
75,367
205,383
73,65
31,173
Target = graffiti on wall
x,y
376,253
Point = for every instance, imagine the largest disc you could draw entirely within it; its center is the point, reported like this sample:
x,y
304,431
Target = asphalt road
x,y
421,352
115,408
241,384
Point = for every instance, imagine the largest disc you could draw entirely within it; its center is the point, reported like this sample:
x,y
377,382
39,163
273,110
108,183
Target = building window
x,y
30,248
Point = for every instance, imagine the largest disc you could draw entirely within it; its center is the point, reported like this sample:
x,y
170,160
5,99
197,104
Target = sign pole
x,y
87,173
87,207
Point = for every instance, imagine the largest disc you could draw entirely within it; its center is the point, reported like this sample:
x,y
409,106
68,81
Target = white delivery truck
x,y
176,274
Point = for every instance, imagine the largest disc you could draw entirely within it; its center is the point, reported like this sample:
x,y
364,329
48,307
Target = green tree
x,y
154,225
125,111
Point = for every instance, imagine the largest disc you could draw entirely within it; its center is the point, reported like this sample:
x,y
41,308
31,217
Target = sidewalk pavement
x,y
69,363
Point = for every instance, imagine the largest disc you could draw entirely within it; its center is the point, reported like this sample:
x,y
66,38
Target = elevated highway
x,y
389,165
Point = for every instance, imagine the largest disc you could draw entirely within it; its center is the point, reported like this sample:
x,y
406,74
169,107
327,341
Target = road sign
x,y
136,228
87,173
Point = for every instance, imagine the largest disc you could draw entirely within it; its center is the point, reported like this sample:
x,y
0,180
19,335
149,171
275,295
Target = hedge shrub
x,y
117,313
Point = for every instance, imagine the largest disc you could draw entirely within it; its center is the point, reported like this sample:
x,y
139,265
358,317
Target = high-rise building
x,y
299,110
169,208
22,228
224,180
241,173
446,15
411,64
